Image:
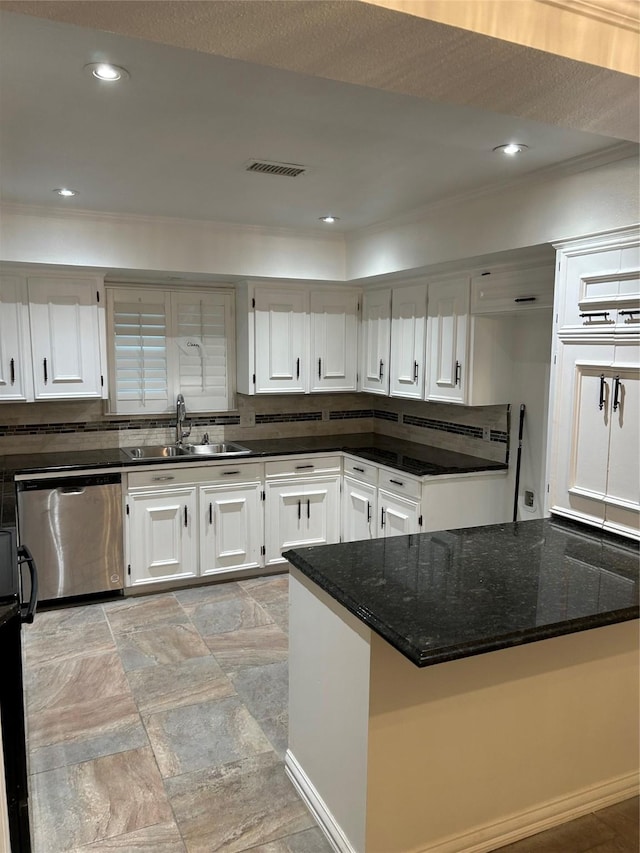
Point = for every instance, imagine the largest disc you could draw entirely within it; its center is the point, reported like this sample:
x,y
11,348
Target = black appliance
x,y
12,614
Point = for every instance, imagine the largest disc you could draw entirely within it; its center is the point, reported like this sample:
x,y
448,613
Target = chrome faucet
x,y
181,414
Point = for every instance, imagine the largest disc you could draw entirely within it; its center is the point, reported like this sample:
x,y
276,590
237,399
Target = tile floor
x,y
160,723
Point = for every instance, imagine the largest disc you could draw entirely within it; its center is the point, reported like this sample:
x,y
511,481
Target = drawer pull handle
x,y
299,511
162,479
368,512
355,468
415,371
602,387
591,314
616,393
303,467
297,368
396,482
308,508
210,513
381,368
44,364
382,517
12,366
229,473
625,312
186,516
525,299
319,368
458,372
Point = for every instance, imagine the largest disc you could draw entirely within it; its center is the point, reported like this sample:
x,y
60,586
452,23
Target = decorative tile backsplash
x,y
481,431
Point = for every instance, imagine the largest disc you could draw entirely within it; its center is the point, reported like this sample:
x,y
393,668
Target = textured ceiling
x,y
360,43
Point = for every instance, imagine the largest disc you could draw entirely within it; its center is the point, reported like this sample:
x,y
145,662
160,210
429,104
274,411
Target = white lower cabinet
x,y
163,543
359,510
301,512
230,527
399,515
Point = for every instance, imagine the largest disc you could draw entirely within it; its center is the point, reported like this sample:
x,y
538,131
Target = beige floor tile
x,y
140,614
249,647
110,796
229,614
92,638
160,688
237,806
162,644
162,838
74,680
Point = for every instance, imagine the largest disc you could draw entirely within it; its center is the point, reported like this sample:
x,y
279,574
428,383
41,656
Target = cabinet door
x,y
376,340
202,336
398,516
447,331
580,431
162,535
230,527
281,341
334,340
301,512
408,330
15,361
623,474
359,510
65,338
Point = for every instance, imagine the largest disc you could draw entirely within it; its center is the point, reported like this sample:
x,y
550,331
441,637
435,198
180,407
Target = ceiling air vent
x,y
270,167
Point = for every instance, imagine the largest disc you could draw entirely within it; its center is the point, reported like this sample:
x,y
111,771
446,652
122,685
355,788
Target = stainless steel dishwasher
x,y
73,528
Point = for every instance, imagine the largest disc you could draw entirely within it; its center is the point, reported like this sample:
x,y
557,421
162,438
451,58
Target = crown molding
x,y
56,212
575,165
619,13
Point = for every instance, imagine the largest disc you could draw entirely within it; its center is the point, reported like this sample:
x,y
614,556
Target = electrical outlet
x,y
486,433
529,499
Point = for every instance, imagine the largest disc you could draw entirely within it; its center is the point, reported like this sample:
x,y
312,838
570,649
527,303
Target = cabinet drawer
x,y
303,466
361,470
229,471
401,484
506,292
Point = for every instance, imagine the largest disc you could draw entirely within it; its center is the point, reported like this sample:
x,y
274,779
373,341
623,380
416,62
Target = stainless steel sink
x,y
222,448
164,451
153,451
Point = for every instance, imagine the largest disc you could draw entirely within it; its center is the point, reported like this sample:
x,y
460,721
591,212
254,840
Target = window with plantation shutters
x,y
139,375
163,343
201,325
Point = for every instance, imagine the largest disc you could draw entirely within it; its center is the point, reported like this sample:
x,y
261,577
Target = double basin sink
x,y
164,451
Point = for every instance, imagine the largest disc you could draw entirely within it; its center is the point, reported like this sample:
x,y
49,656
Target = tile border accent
x,y
458,429
351,413
287,417
111,426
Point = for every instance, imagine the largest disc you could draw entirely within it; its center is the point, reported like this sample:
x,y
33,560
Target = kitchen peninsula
x,y
458,690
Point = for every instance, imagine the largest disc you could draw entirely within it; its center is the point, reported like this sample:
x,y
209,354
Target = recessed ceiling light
x,y
329,219
511,148
65,192
107,72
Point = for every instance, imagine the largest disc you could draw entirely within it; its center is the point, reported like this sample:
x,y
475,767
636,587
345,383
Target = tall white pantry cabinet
x,y
594,462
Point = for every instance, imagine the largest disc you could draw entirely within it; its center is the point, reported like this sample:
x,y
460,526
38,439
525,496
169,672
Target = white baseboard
x,y
316,805
485,838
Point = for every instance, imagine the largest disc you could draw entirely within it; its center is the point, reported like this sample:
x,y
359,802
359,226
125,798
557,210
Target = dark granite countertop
x,y
407,456
436,597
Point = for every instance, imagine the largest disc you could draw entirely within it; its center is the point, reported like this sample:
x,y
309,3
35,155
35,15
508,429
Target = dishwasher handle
x,y
24,556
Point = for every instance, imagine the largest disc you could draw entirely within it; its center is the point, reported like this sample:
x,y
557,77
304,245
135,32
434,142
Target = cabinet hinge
x,y
127,509
129,569
97,296
263,550
253,303
420,522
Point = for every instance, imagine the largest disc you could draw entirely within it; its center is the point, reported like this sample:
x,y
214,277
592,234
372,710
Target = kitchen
x,y
130,246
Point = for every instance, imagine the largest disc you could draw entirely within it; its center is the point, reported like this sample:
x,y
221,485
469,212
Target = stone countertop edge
x,y
61,461
455,651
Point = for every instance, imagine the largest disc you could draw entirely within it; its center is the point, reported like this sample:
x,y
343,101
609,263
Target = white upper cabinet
x,y
334,340
408,334
376,342
281,336
295,339
15,362
447,341
162,343
508,291
65,337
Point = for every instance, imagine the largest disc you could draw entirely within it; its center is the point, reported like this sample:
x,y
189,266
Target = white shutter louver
x,y
140,381
202,328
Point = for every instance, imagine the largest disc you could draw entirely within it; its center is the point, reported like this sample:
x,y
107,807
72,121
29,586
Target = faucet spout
x,y
181,414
